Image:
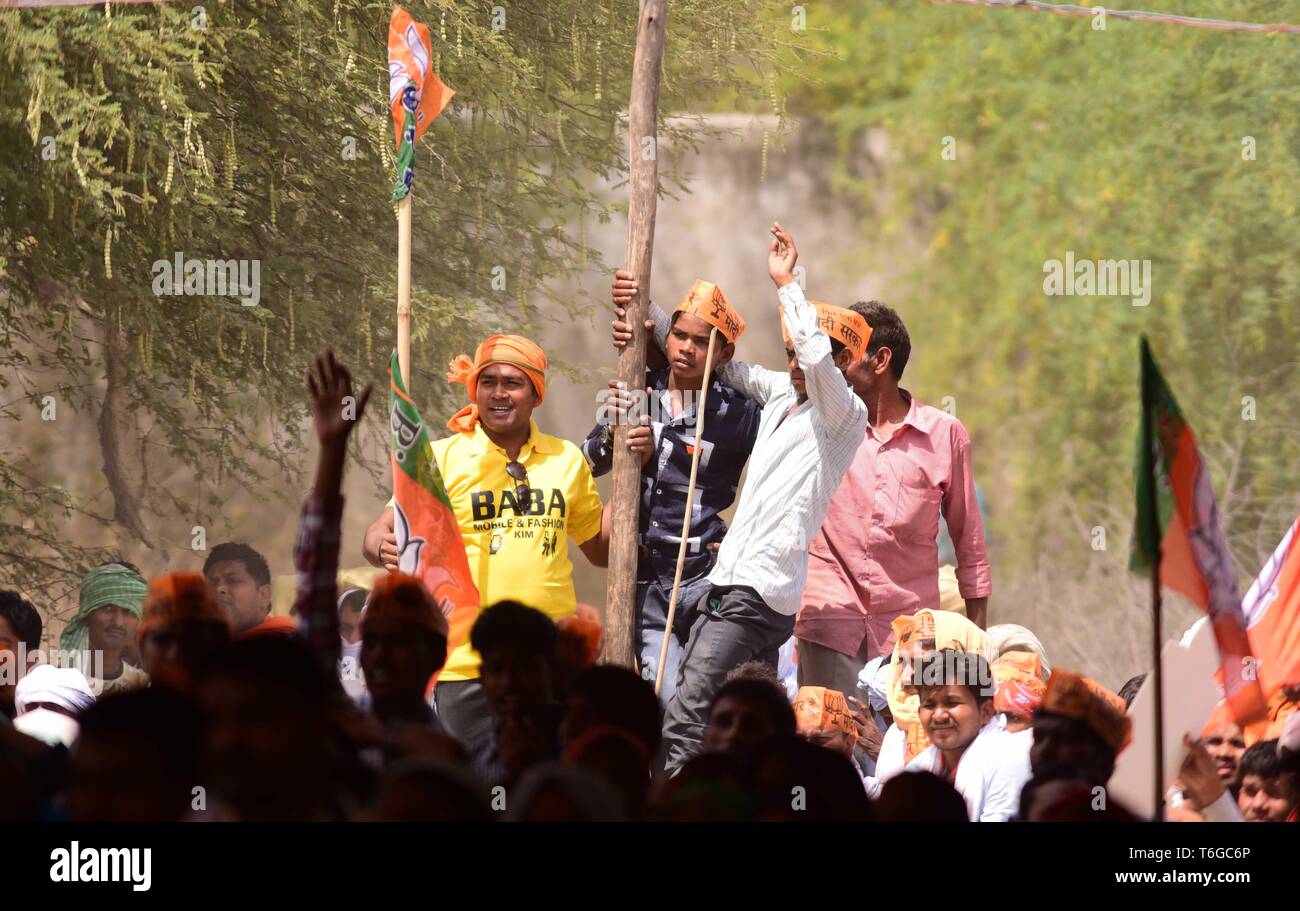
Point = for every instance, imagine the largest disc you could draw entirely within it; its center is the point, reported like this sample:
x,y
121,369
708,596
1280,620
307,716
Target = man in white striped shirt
x,y
812,423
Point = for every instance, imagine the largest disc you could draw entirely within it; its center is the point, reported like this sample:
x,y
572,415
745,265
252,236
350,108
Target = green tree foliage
x,y
1129,142
262,131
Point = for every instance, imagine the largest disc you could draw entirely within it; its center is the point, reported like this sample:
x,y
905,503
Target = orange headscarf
x,y
1020,685
514,350
179,597
1076,696
579,636
397,596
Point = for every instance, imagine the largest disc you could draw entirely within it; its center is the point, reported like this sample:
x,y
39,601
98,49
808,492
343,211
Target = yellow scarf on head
x,y
926,630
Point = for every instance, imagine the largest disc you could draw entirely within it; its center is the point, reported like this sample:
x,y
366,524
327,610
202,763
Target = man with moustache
x,y
876,556
109,608
519,495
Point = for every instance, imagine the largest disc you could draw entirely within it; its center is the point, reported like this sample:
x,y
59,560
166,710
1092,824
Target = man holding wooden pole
x,y
692,446
811,425
643,181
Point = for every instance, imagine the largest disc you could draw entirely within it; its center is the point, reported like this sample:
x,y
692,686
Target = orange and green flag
x,y
429,544
1183,537
415,93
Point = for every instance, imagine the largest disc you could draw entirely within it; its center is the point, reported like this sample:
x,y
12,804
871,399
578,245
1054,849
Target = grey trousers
x,y
732,625
463,710
822,666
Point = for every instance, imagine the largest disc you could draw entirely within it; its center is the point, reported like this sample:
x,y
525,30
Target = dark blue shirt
x,y
730,429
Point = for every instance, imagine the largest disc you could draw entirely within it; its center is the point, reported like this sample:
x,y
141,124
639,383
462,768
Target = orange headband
x,y
514,350
819,709
177,598
1020,686
706,301
397,596
842,325
1076,696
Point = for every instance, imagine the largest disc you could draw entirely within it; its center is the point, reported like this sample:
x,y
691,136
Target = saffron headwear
x,y
707,301
1019,684
1076,696
514,350
398,596
180,598
844,326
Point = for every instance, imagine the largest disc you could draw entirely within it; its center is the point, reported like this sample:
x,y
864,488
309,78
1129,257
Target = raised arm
x,y
752,381
828,390
316,555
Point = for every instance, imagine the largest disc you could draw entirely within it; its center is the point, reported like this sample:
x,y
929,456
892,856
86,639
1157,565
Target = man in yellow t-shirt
x,y
520,496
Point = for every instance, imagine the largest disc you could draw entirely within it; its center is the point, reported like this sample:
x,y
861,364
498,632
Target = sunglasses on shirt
x,y
516,470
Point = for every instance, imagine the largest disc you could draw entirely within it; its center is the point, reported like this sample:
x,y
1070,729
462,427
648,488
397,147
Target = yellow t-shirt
x,y
517,552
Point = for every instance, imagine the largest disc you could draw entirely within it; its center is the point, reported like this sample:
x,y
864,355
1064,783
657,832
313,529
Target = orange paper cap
x,y
844,326
1076,696
819,709
706,301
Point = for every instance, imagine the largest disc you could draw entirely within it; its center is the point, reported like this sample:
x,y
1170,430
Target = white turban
x,y
874,681
1012,637
65,687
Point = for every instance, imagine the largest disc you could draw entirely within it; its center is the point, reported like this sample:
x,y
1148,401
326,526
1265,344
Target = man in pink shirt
x,y
876,556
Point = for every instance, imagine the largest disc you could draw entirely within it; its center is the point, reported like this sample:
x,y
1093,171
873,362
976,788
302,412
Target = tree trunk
x,y
126,510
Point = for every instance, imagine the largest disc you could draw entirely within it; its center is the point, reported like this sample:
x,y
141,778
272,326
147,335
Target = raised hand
x,y
335,411
781,256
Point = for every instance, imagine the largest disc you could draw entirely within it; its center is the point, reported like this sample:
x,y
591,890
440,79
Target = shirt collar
x,y
918,416
540,442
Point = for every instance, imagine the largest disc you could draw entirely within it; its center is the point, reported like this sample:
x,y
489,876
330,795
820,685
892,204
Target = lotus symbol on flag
x,y
408,548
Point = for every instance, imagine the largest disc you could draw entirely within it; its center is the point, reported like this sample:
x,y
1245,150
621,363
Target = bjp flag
x,y
415,93
1184,538
1272,612
429,544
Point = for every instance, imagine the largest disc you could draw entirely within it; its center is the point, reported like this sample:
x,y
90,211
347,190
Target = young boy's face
x,y
688,348
951,717
1267,799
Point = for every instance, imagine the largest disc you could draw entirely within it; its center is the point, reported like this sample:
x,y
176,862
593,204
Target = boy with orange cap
x,y
519,495
810,426
665,441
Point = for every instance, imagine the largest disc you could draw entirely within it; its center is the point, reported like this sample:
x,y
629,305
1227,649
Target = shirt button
x,y
655,524
658,490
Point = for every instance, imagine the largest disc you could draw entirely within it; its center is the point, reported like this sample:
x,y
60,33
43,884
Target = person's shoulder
x,y
933,419
558,446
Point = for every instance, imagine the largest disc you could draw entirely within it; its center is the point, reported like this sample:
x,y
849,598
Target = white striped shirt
x,y
797,462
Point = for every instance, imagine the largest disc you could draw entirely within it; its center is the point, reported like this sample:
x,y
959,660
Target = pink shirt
x,y
875,557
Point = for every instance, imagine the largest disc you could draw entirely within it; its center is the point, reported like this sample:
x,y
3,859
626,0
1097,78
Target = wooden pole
x,y
404,289
686,519
643,111
1157,664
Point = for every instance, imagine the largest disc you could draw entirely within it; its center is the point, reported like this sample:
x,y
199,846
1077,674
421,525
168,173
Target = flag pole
x,y
1154,537
643,184
686,518
404,289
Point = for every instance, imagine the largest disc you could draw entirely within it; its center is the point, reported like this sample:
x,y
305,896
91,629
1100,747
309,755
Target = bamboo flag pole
x,y
404,289
643,183
686,519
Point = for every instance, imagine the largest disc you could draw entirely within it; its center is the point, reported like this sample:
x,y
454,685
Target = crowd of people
x,y
827,657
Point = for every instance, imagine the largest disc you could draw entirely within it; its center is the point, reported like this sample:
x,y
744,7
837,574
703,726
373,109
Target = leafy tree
x,y
1139,141
244,131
